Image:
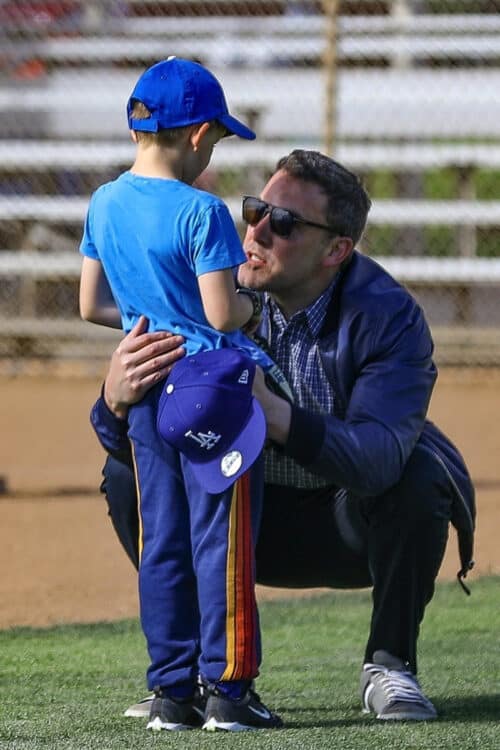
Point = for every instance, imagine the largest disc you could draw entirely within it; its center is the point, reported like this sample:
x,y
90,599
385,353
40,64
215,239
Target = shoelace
x,y
398,686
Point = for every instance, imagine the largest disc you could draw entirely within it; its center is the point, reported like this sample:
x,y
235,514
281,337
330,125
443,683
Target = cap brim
x,y
236,127
248,445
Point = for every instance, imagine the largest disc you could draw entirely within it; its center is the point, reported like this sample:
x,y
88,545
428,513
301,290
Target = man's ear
x,y
197,134
340,249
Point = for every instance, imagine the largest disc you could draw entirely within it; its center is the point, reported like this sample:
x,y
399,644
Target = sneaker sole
x,y
157,725
212,725
401,716
406,717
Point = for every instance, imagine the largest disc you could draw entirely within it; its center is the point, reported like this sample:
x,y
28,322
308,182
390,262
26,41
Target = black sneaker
x,y
142,709
240,715
176,715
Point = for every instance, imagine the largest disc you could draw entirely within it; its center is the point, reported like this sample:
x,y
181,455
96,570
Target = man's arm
x,y
386,408
140,360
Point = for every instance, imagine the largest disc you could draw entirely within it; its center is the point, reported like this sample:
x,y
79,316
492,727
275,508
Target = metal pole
x,y
402,11
330,10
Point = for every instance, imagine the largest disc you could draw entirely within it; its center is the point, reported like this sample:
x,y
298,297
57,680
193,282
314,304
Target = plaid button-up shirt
x,y
294,347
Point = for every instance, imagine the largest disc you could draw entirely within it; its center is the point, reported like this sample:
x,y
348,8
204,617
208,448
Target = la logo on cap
x,y
206,440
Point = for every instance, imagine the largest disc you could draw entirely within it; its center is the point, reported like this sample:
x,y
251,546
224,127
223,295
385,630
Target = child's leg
x,y
167,584
224,530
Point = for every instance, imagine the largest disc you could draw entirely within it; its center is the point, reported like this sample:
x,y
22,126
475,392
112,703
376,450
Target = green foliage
x,y
436,184
380,184
488,184
65,688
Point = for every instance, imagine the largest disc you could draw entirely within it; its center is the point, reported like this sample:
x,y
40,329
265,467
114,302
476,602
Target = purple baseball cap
x,y
208,413
180,92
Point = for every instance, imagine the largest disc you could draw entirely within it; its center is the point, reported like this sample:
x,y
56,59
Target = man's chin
x,y
250,277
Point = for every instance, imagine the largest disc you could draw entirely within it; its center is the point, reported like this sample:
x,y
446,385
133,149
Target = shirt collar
x,y
314,313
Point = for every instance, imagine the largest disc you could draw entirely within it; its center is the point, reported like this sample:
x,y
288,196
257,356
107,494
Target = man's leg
x,y
394,543
312,538
118,487
408,532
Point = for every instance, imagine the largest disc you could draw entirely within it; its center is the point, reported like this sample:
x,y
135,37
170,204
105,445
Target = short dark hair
x,y
348,202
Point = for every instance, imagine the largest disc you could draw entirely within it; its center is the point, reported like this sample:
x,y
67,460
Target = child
x,y
154,245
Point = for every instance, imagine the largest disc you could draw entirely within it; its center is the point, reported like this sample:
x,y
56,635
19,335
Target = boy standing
x,y
155,245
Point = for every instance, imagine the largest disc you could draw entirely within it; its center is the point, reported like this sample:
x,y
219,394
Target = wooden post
x,y
401,12
467,244
330,64
466,234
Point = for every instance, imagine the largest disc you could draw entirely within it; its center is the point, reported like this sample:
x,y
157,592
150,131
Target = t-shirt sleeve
x,y
87,246
216,243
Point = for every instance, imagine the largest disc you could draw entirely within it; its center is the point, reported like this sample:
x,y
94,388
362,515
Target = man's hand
x,y
277,410
140,360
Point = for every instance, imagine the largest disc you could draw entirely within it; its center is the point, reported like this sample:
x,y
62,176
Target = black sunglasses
x,y
281,220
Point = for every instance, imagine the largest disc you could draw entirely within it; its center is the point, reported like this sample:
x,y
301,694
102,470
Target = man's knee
x,y
423,493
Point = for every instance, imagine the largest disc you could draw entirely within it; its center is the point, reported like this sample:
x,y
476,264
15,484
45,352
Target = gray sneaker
x,y
391,691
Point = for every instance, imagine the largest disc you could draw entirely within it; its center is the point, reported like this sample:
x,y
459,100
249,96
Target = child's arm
x,y
97,304
225,310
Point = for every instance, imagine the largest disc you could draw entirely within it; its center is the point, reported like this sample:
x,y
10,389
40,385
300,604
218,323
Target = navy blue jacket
x,y
376,350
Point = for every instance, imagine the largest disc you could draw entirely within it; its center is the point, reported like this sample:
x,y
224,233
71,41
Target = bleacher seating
x,y
373,103
414,93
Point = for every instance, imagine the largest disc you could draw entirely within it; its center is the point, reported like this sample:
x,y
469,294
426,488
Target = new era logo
x,y
243,379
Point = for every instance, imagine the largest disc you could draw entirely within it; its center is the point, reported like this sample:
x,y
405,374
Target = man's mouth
x,y
255,261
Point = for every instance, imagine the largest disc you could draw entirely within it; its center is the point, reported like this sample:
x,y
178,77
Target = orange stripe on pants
x,y
241,618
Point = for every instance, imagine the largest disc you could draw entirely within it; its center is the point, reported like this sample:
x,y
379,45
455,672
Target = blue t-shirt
x,y
154,237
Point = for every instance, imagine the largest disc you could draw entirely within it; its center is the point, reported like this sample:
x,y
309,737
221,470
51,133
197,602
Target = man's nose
x,y
261,232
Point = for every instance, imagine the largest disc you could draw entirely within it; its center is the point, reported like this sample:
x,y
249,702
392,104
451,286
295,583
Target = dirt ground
x,y
58,553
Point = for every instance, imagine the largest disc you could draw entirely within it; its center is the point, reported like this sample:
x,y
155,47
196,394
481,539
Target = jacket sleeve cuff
x,y
110,429
305,439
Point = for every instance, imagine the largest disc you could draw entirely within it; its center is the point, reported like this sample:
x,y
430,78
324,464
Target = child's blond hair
x,y
166,138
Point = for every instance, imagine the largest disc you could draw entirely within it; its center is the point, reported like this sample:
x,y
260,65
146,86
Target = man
x,y
359,486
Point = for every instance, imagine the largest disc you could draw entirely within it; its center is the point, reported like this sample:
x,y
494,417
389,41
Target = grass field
x,y
66,687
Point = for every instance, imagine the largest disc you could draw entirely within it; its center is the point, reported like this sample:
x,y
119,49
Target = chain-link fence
x,y
404,92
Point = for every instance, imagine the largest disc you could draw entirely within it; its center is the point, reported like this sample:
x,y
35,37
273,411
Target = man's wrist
x,y
117,408
257,305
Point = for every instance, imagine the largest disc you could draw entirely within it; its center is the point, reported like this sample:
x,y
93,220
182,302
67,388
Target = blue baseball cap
x,y
208,413
180,92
